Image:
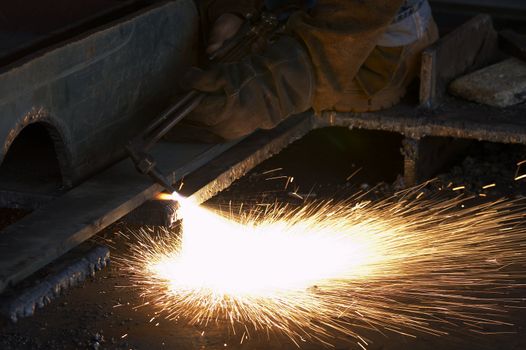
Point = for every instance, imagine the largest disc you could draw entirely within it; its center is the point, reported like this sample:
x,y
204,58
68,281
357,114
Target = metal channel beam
x,y
51,231
455,118
433,138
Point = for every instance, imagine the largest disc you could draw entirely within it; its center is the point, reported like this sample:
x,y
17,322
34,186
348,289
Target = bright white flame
x,y
227,257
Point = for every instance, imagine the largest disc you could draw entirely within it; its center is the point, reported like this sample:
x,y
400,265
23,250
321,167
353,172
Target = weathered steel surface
x,y
96,91
433,138
47,233
471,46
455,118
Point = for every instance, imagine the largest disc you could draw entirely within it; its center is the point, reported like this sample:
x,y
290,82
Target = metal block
x,y
500,85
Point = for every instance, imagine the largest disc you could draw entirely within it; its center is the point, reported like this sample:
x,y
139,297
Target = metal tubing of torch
x,y
233,50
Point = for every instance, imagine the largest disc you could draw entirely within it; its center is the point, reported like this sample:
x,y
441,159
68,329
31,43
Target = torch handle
x,y
233,50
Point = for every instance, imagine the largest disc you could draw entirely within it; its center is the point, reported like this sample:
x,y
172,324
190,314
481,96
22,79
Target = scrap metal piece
x,y
500,85
23,301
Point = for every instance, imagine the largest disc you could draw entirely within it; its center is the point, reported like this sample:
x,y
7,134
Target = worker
x,y
341,55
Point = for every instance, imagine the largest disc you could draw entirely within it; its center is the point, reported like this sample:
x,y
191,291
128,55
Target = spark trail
x,y
407,264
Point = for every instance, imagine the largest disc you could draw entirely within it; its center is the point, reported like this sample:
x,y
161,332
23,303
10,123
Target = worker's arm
x,y
339,35
257,92
309,67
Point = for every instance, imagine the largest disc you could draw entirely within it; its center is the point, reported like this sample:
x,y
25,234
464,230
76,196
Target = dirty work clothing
x,y
382,79
341,39
409,25
340,35
254,93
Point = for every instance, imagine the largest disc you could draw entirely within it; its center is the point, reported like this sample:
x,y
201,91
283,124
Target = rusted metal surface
x,y
97,90
426,157
434,137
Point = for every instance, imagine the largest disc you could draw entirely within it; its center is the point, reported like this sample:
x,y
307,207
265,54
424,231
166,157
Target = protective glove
x,y
258,92
225,27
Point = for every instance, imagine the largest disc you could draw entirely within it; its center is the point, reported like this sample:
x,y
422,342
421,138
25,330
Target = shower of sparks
x,y
338,269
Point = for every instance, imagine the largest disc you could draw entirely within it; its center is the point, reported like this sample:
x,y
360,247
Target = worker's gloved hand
x,y
224,28
258,92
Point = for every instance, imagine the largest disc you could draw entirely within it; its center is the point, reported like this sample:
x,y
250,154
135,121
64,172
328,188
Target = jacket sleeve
x,y
339,35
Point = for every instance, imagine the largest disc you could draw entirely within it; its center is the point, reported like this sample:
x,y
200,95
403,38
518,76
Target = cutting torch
x,y
257,27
